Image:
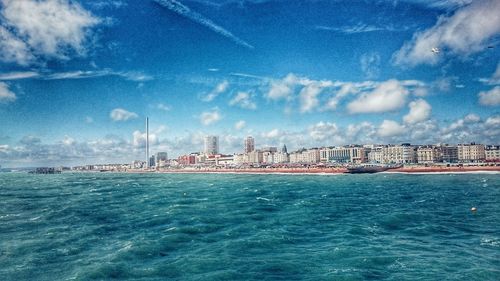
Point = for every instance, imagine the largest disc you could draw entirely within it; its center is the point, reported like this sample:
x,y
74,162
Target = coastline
x,y
328,171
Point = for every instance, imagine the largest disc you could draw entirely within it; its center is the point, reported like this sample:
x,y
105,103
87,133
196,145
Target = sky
x,y
78,78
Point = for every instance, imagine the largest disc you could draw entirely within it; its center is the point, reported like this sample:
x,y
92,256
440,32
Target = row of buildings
x,y
336,155
386,154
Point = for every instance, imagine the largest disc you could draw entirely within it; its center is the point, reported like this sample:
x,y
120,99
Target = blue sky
x,y
78,78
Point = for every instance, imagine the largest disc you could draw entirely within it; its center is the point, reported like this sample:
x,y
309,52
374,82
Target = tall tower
x,y
147,142
249,144
211,145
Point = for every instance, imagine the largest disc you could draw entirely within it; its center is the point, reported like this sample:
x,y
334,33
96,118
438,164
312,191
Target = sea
x,y
119,226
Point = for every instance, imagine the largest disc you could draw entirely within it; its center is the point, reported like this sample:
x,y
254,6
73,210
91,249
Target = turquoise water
x,y
249,227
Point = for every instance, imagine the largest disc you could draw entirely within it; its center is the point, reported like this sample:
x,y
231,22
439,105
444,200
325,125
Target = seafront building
x,y
450,153
349,154
427,154
161,159
492,153
399,154
211,145
471,152
249,144
376,155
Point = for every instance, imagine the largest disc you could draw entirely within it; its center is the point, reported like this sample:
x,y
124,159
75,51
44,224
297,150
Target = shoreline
x,y
329,171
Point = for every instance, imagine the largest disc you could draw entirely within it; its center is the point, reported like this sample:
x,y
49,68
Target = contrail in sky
x,y
186,12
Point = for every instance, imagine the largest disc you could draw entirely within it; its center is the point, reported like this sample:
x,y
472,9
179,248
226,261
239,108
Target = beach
x,y
327,170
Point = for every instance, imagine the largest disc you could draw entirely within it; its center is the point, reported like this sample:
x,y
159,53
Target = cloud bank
x,y
466,32
52,29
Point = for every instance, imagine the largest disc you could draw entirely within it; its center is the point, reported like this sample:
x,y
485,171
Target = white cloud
x,y
18,75
420,111
163,107
309,97
120,114
6,95
139,139
68,140
243,100
390,128
463,33
362,133
272,134
49,29
210,117
240,125
83,74
370,64
443,4
472,118
359,28
387,96
308,94
219,89
89,120
282,89
346,89
325,131
491,97
13,49
493,121
471,129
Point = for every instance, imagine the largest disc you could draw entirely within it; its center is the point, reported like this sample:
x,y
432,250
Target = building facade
x,y
351,154
211,145
281,157
449,153
471,152
492,153
429,154
399,154
249,144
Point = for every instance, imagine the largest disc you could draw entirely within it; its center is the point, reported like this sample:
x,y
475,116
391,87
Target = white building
x,y
268,157
492,153
429,154
239,159
400,154
471,152
281,157
304,156
351,154
219,160
255,157
376,155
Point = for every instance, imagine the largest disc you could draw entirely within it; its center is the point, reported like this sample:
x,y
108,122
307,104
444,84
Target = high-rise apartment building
x,y
249,144
211,145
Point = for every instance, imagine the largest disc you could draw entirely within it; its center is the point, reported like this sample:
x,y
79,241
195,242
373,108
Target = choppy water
x,y
249,227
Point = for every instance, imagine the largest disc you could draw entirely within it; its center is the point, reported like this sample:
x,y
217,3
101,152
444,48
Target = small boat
x,y
368,169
